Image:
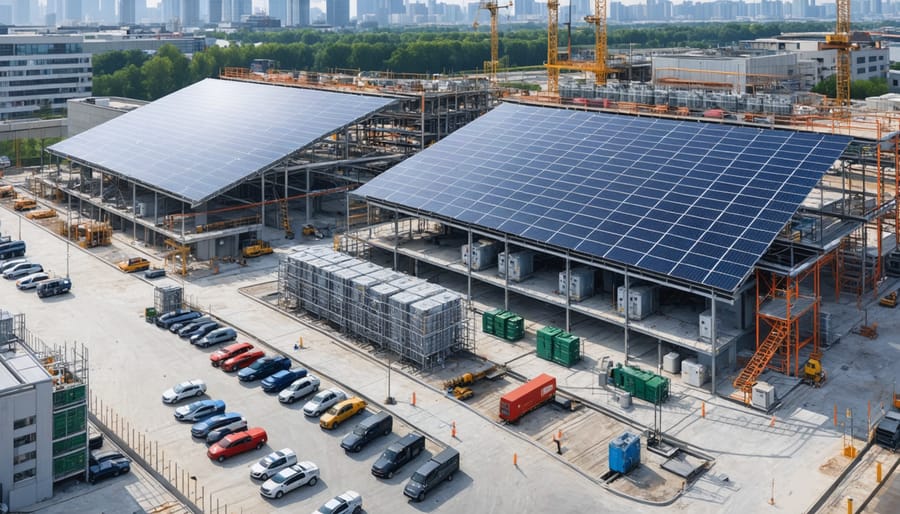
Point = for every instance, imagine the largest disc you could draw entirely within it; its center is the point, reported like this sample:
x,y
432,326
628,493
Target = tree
x,y
157,78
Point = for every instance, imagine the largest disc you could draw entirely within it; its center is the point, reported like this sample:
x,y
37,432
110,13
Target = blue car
x,y
202,429
281,379
200,410
108,468
264,367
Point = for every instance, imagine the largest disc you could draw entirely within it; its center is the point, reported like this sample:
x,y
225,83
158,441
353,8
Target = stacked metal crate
x,y
378,312
357,317
434,328
398,334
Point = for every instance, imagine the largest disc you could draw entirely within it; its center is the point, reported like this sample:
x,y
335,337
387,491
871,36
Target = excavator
x,y
457,387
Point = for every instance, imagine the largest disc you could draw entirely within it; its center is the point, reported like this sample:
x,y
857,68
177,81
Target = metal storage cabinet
x,y
624,453
520,265
580,284
705,321
483,254
672,362
642,301
763,396
693,373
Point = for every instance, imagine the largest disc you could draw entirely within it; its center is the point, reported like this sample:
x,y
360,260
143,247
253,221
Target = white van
x,y
31,281
5,265
21,270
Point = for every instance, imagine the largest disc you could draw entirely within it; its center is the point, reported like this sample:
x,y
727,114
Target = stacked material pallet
x,y
420,321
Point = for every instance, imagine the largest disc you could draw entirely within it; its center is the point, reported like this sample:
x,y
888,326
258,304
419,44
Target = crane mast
x,y
490,67
840,41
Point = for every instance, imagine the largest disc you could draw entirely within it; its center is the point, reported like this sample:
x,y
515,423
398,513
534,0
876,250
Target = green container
x,y
546,334
515,328
487,320
566,349
642,384
657,389
500,321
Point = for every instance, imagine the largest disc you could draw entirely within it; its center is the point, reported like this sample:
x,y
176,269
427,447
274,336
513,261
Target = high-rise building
x,y
126,12
297,14
73,12
337,12
278,9
21,12
108,11
190,13
215,11
41,73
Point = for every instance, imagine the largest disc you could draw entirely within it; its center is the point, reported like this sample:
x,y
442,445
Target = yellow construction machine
x,y
889,300
256,249
813,374
457,387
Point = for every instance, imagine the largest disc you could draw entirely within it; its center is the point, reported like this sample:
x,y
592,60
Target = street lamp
x,y
390,399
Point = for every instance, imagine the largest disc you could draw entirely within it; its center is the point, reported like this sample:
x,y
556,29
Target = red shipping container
x,y
529,396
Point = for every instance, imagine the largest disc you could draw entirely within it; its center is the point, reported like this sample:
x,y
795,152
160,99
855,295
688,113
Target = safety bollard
x,y
877,472
516,459
702,409
414,399
772,421
453,429
849,505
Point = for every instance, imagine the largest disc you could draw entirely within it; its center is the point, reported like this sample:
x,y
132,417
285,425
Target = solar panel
x,y
697,201
208,137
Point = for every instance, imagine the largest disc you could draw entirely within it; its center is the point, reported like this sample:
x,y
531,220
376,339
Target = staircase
x,y
747,377
285,215
851,259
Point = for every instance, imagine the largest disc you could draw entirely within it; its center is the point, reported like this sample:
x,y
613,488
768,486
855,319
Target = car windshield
x,y
281,477
333,411
331,506
319,398
389,454
257,364
179,388
296,385
418,477
271,458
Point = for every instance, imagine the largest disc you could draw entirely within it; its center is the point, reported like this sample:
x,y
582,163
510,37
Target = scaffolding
x,y
421,322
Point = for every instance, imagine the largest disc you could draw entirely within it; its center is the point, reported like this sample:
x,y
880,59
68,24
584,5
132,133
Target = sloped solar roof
x,y
697,201
206,138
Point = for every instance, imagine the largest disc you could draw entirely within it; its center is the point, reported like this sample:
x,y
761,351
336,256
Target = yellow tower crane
x,y
840,41
490,67
598,67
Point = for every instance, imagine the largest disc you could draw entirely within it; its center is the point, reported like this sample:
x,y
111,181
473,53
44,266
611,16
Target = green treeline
x,y
28,151
436,50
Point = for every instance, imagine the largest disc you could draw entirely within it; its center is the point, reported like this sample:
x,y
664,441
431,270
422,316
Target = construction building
x,y
200,172
43,398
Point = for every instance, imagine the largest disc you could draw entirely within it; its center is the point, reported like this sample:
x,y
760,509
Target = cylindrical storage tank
x,y
625,400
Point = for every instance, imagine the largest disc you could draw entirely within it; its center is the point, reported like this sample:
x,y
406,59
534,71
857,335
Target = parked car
x,y
237,443
217,336
341,412
349,502
177,316
216,435
281,379
31,281
53,287
323,401
9,263
175,328
95,438
398,454
182,390
201,429
190,328
221,355
368,430
242,360
134,264
198,329
264,367
200,410
21,270
286,480
155,273
273,463
98,457
429,475
298,389
108,468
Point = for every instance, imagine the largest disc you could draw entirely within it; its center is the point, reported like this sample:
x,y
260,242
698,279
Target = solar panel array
x,y
203,139
697,201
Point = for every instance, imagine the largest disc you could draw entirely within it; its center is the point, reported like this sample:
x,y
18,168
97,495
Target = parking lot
x,y
133,362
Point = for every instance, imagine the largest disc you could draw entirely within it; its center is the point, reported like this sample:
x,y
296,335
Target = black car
x,y
154,273
264,367
98,457
201,330
112,467
95,439
398,454
194,327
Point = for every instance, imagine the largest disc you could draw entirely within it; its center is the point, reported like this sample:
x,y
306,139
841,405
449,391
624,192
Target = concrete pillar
x,y
627,285
713,336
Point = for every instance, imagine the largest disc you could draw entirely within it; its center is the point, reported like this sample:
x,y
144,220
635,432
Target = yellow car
x,y
342,412
134,264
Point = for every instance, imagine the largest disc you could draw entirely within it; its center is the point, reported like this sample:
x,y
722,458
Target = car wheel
x,y
126,470
198,393
291,399
279,494
357,448
390,474
265,476
336,424
116,473
421,497
313,481
92,480
357,509
387,432
450,477
417,452
260,445
221,458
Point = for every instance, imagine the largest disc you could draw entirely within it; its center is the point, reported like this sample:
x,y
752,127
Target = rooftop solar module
x,y
697,201
206,138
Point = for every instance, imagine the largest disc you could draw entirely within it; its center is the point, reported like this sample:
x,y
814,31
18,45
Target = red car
x,y
219,356
242,360
237,443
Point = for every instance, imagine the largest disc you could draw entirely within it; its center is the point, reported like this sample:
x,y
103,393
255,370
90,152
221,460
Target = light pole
x,y
390,399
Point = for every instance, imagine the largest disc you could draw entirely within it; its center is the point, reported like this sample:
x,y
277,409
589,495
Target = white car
x,y
298,389
323,401
22,270
305,473
187,389
347,503
31,281
273,463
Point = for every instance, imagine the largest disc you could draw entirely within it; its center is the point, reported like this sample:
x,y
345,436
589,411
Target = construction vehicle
x,y
889,300
457,387
256,249
24,204
813,374
311,230
7,192
41,214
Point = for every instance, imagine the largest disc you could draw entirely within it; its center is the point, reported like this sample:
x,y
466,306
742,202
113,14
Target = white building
x,y
738,74
26,408
41,72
